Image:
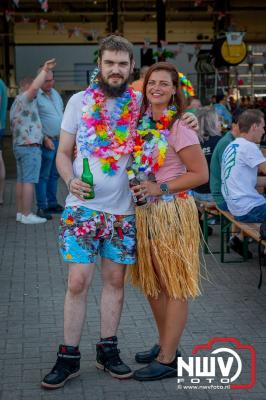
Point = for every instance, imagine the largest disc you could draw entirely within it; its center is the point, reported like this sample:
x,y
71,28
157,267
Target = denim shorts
x,y
84,234
257,214
28,160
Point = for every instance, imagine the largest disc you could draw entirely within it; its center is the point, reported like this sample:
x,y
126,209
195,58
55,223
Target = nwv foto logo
x,y
223,364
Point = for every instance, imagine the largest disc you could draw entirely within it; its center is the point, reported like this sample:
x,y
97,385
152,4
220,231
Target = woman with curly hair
x,y
170,155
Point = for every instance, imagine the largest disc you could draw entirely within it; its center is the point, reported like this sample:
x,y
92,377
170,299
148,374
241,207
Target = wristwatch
x,y
164,188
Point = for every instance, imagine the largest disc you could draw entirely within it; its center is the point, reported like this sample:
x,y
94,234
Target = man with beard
x,y
101,122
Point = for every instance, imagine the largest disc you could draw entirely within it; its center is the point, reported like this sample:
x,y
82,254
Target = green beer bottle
x,y
87,177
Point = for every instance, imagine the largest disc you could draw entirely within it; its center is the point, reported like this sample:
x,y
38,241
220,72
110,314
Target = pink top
x,y
180,137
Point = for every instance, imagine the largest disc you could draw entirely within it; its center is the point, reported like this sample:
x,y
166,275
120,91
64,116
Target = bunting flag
x,y
221,15
8,15
186,85
95,34
25,20
70,32
42,24
59,27
147,42
198,3
44,5
74,32
163,44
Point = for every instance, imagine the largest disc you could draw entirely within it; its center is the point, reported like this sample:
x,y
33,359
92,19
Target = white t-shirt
x,y
112,194
239,176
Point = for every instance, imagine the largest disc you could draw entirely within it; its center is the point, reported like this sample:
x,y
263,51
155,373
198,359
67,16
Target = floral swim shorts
x,y
85,233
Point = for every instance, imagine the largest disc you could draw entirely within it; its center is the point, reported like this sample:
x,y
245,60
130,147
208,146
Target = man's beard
x,y
112,91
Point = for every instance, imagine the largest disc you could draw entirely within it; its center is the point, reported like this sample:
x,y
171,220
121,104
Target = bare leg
x,y
2,177
171,317
27,197
79,280
158,306
113,275
175,320
19,186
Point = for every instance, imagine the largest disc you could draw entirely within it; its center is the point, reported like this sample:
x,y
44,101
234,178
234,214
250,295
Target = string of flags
x,y
58,27
9,14
197,3
43,3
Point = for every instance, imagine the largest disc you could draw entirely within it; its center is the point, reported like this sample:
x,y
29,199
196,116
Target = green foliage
x,y
163,54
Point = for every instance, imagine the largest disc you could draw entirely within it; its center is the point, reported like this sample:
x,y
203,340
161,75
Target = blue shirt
x,y
50,111
223,112
3,104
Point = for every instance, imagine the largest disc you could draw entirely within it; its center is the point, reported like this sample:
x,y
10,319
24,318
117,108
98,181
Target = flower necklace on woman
x,y
152,136
107,137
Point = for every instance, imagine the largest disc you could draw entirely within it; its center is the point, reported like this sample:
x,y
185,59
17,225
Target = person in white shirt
x,y
242,159
104,225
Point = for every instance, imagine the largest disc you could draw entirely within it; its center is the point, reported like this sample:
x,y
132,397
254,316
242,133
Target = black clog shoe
x,y
155,371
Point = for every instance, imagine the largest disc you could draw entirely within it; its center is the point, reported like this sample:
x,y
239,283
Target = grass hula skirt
x,y
169,230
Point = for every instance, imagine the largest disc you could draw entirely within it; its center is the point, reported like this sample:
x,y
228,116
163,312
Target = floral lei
x,y
109,138
152,135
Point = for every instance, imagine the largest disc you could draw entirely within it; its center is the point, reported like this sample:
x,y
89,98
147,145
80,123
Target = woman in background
x,y
209,135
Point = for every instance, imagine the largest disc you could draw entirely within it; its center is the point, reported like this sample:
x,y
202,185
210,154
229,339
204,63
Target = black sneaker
x,y
66,367
238,246
146,357
58,209
108,359
41,212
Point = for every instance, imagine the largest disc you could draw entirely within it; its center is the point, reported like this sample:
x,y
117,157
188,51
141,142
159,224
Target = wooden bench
x,y
207,209
251,230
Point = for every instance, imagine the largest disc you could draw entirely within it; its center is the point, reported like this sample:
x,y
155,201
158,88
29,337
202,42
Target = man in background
x,y
222,110
240,164
27,133
138,84
3,110
50,108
